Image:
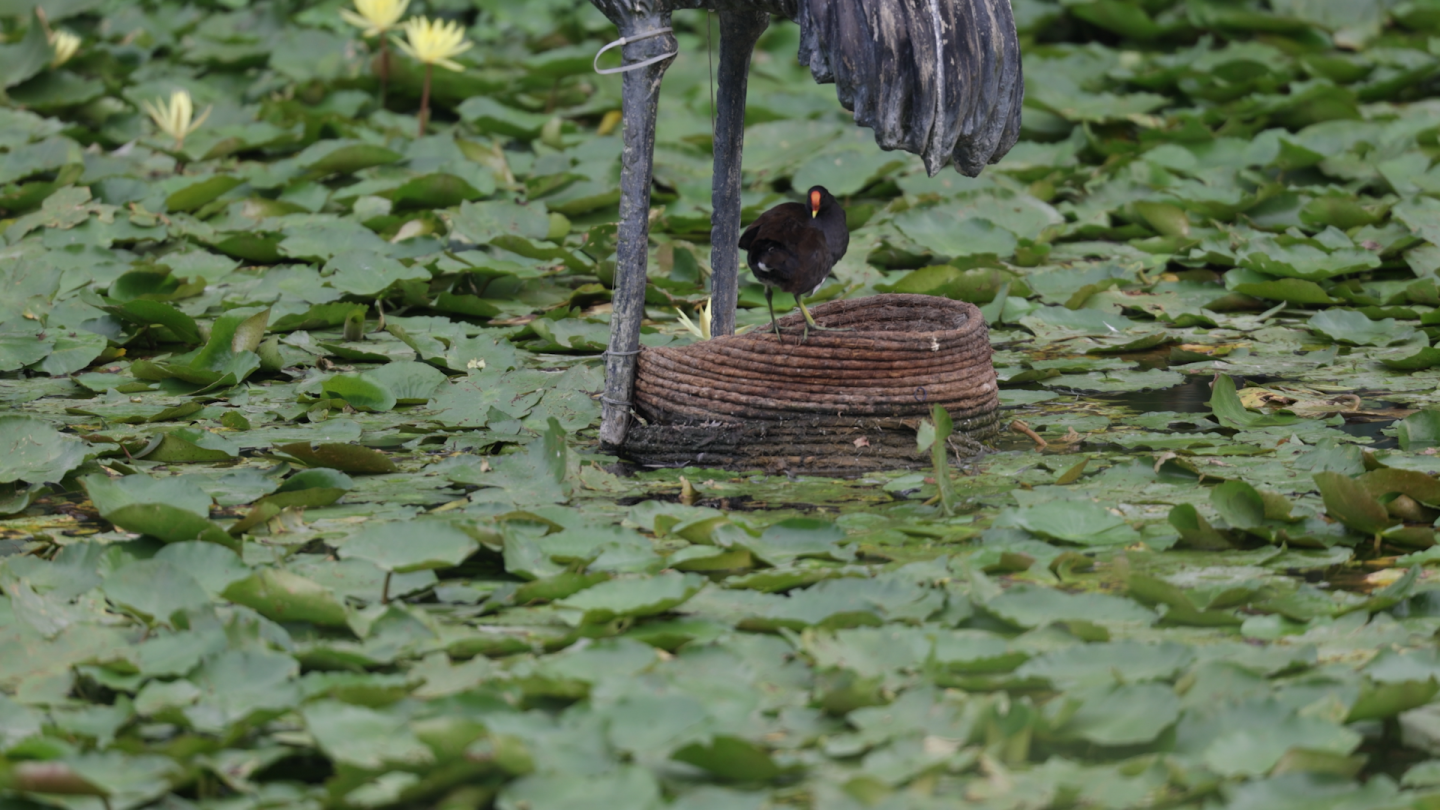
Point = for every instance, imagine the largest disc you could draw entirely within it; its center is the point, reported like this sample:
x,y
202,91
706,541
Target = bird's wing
x,y
939,78
775,245
776,260
816,257
774,222
748,237
797,261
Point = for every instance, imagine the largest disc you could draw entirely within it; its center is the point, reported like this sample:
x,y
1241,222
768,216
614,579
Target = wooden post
x,y
739,30
638,108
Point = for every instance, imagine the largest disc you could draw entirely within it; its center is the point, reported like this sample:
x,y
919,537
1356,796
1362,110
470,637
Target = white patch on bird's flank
x,y
762,266
934,344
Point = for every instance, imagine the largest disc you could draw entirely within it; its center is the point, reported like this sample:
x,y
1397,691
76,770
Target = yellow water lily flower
x,y
702,315
65,45
434,42
376,16
173,117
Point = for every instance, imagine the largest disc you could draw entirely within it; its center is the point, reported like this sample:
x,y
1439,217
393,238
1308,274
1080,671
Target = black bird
x,y
793,246
939,78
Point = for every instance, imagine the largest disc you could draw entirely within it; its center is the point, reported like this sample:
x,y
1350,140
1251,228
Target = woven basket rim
x,y
854,337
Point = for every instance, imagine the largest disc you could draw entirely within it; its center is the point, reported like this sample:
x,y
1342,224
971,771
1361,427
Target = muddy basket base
x,y
802,446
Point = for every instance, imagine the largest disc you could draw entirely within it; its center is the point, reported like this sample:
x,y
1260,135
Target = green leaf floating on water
x,y
1289,290
359,393
1255,749
1423,358
481,222
157,313
1349,326
1419,430
1195,531
109,494
1129,714
362,737
155,590
1239,503
401,382
622,598
1348,502
348,458
197,194
731,758
173,510
1309,259
20,350
1080,522
167,523
938,230
403,548
348,158
189,446
22,59
1036,607
34,452
363,273
1230,412
282,596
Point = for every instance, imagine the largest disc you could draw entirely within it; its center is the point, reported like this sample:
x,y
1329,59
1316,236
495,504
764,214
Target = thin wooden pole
x,y
639,108
739,30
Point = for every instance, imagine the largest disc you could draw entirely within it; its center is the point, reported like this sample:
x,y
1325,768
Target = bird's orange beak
x,y
814,204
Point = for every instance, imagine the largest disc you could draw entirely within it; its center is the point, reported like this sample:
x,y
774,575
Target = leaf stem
x,y
940,458
385,589
425,100
384,71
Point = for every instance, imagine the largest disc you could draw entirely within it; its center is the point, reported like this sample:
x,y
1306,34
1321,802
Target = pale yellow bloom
x,y
701,329
173,118
376,16
65,45
434,41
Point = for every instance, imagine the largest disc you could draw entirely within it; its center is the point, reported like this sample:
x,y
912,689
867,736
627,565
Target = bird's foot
x,y
811,325
782,331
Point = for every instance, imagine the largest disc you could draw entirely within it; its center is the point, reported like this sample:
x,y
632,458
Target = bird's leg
x,y
739,29
809,319
640,100
769,302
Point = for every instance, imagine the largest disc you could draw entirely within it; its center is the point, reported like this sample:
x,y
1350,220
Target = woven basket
x,y
839,403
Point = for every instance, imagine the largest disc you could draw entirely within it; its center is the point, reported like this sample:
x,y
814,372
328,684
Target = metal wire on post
x,y
635,65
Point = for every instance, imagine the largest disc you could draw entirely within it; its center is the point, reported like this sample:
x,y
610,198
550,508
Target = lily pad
x,y
35,452
406,547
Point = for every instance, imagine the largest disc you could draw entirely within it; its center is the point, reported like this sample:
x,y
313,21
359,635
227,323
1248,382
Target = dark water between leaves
x,y
1193,396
